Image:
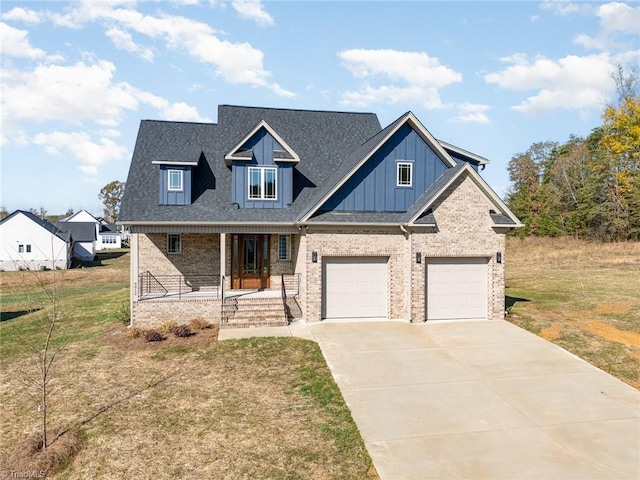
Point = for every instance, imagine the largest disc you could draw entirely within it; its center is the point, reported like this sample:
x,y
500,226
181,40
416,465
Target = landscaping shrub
x,y
134,332
123,314
167,326
182,331
199,323
154,336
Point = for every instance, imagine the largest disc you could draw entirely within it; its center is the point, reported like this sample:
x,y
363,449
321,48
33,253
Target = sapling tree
x,y
42,289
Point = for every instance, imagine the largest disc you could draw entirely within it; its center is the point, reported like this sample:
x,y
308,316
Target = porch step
x,y
250,312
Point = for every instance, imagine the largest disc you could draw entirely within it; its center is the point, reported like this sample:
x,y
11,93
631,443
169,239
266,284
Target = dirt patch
x,y
609,332
612,308
552,332
116,335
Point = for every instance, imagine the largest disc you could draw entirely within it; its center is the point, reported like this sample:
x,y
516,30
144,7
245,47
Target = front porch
x,y
227,278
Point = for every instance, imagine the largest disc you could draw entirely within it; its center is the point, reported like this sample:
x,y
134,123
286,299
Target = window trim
x,y
287,257
170,172
399,166
179,250
262,195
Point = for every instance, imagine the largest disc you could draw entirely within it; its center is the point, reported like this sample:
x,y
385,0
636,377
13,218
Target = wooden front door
x,y
250,262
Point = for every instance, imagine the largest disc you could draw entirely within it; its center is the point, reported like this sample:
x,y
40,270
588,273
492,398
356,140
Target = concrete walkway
x,y
477,400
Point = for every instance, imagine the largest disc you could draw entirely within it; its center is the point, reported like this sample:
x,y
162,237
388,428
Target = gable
x,y
374,186
264,145
81,216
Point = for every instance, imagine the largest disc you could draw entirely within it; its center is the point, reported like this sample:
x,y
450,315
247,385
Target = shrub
x,y
199,323
123,314
154,336
134,332
167,326
182,331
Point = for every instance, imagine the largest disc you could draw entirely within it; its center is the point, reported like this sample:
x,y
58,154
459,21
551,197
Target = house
x,y
28,242
107,235
83,236
324,212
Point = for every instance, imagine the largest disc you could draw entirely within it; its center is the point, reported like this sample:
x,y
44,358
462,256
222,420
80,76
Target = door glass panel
x,y
250,256
265,255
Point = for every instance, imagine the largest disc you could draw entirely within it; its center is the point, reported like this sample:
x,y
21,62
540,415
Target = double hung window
x,y
262,183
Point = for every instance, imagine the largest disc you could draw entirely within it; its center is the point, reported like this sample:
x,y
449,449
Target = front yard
x,y
187,408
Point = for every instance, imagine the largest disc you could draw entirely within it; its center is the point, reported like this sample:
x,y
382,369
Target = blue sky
x,y
489,77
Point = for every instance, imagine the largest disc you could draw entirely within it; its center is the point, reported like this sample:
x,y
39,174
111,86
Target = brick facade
x,y
464,229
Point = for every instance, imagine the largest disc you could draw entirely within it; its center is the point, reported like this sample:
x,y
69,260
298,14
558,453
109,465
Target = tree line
x,y
586,187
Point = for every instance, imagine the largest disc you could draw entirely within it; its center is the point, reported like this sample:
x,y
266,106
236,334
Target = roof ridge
x,y
312,110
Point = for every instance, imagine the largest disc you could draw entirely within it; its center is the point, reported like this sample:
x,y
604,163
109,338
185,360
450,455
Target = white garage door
x,y
354,287
456,288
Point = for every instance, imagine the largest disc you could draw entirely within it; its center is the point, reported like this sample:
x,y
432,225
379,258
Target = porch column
x,y
133,263
223,255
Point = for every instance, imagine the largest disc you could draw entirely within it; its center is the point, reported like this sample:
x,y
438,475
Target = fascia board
x,y
229,157
409,117
486,189
463,152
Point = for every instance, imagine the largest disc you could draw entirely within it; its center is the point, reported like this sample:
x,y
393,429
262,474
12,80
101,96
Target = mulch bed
x,y
116,335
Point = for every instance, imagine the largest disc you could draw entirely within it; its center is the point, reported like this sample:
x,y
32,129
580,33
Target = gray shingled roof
x,y
50,227
322,139
79,231
329,145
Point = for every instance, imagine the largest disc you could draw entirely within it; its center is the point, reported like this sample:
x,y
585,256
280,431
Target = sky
x,y
490,77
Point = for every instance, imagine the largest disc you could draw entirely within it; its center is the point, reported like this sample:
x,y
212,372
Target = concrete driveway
x,y
480,400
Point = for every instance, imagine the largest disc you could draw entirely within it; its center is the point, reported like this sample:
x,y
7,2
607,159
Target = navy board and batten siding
x,y
373,187
175,197
263,146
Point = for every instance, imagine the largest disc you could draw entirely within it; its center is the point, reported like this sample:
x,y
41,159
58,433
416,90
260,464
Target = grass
x,y
184,408
582,296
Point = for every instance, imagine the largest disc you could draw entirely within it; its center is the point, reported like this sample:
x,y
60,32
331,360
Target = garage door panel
x,y
355,287
456,288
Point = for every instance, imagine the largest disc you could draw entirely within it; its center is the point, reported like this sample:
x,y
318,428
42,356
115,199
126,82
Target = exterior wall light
x,y
499,257
314,257
418,257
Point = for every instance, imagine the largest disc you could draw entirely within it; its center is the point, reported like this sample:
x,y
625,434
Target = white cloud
x,y
252,10
76,94
123,41
14,43
616,21
90,154
572,82
472,113
236,63
564,8
25,15
420,76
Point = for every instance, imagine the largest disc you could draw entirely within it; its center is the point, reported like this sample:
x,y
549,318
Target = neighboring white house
x,y
107,235
83,237
29,242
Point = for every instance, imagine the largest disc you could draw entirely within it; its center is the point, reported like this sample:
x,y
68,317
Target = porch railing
x,y
155,286
291,283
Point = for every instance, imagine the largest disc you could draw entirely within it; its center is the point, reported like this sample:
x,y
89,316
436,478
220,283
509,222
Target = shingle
x,y
79,231
323,140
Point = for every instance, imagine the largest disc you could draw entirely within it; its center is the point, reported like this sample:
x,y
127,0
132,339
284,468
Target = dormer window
x,y
175,180
262,183
404,177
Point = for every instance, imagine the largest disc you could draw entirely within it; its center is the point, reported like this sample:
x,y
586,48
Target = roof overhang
x,y
486,189
464,153
175,163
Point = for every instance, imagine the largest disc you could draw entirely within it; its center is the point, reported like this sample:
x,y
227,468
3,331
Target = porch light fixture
x,y
499,257
418,257
314,257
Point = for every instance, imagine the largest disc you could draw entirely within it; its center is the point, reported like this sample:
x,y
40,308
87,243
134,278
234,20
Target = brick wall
x,y
154,312
463,230
348,242
200,254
